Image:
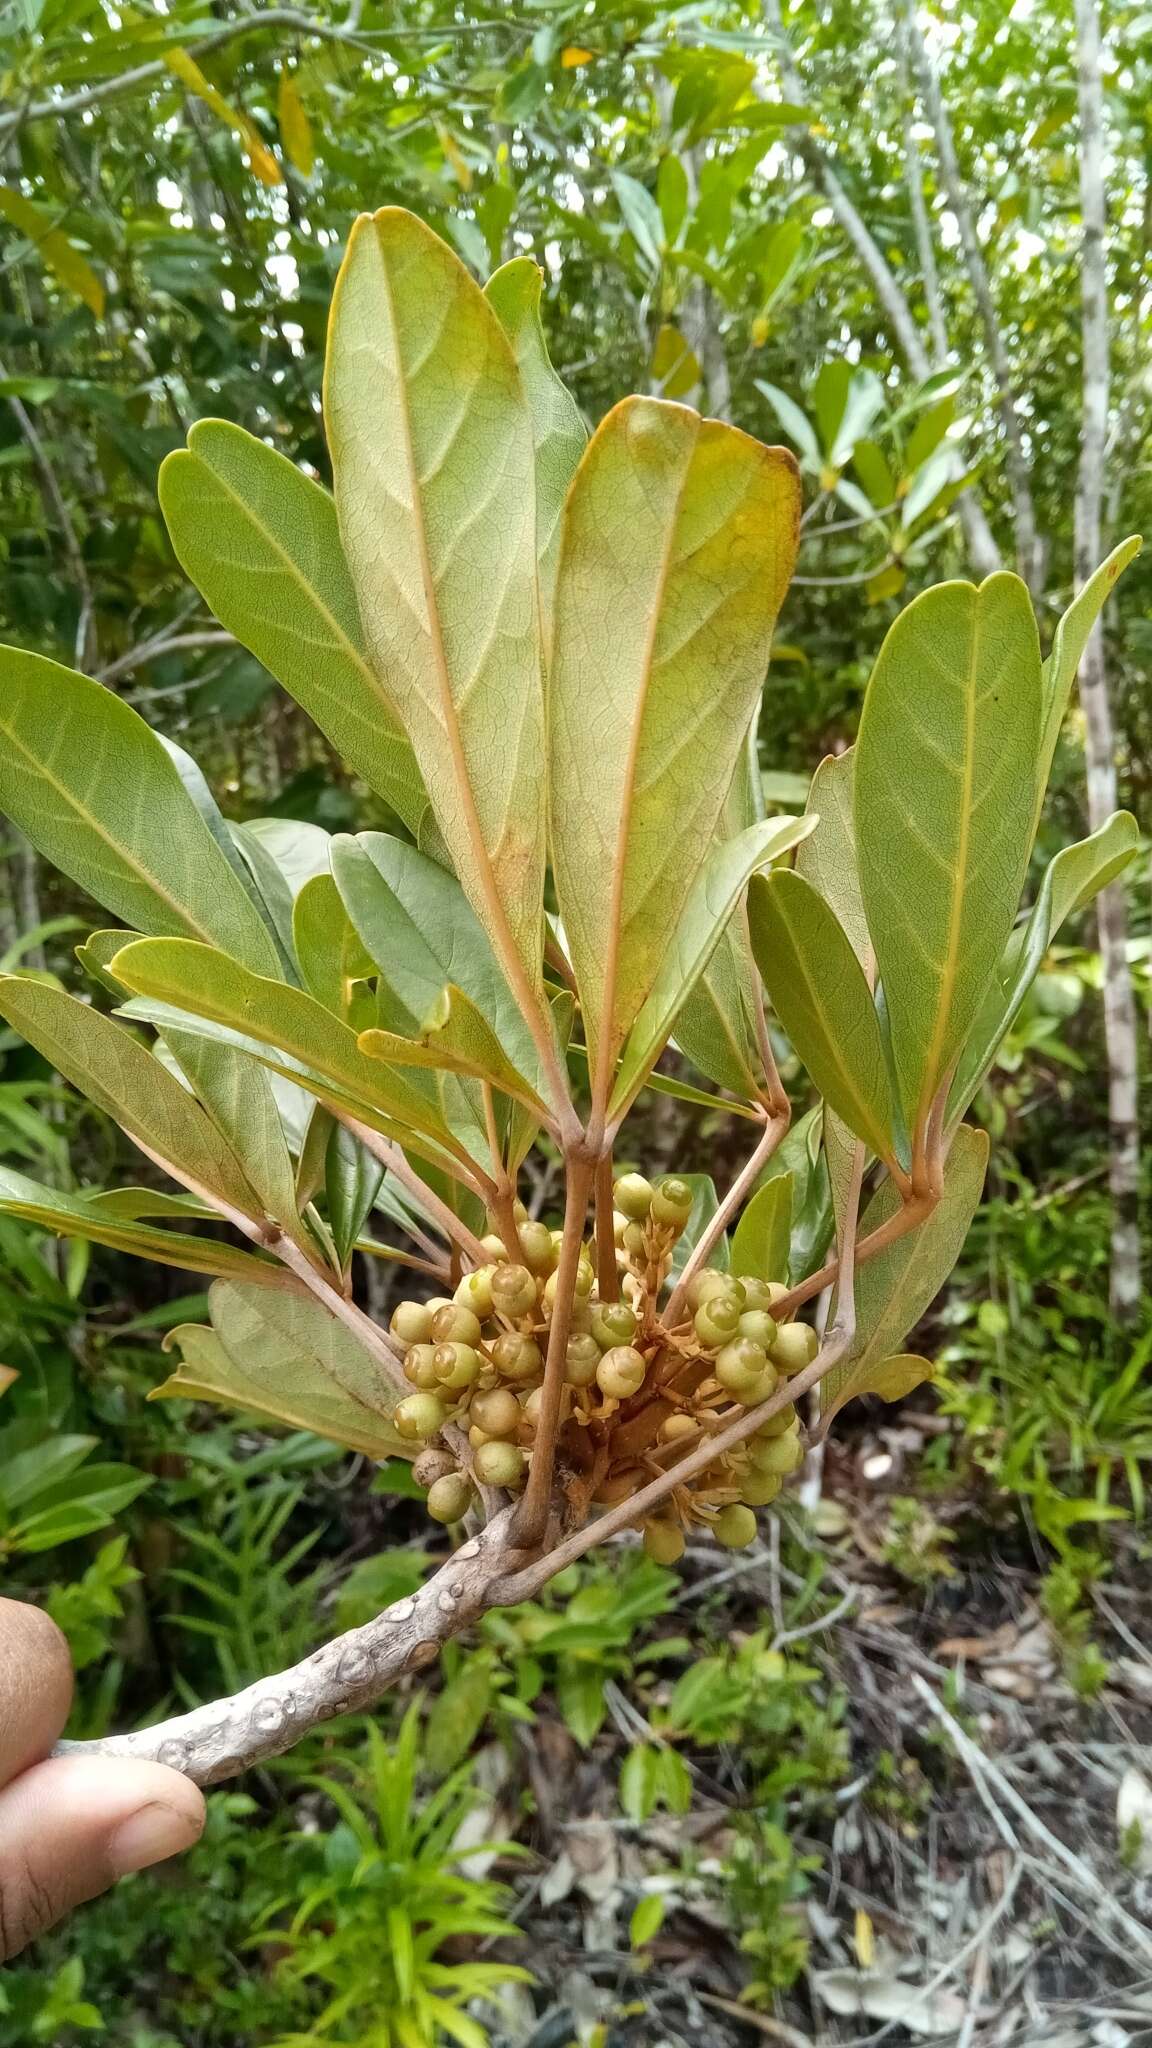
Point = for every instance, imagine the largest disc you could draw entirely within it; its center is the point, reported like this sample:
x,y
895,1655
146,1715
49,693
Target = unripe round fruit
x,y
672,1201
636,1240
499,1464
520,1212
455,1325
432,1465
580,1360
760,1389
530,1412
717,1321
475,1293
411,1322
776,1291
735,1527
513,1291
795,1347
436,1301
420,1366
457,1365
450,1498
419,1415
677,1428
496,1412
759,1489
613,1322
757,1293
776,1425
580,1316
632,1195
664,1542
620,1372
783,1455
516,1357
496,1248
760,1326
706,1283
619,1225
740,1365
476,1437
536,1247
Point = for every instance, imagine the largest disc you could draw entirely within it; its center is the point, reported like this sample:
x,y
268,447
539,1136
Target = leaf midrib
x,y
959,885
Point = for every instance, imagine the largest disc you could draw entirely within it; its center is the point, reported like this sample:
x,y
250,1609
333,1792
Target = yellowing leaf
x,y
295,127
58,254
572,57
434,462
263,163
455,157
678,542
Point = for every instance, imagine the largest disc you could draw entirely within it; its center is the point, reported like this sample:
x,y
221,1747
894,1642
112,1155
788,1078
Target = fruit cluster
x,y
638,1395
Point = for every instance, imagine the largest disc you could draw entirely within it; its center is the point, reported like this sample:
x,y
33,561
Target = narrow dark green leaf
x,y
74,1216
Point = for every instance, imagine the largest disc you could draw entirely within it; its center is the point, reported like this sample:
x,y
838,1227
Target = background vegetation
x,y
868,233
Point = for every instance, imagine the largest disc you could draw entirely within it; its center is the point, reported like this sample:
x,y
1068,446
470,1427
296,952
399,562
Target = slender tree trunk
x,y
1100,741
982,548
1028,548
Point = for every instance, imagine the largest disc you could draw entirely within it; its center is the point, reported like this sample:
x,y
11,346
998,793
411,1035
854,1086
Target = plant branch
x,y
58,513
775,1129
391,1156
532,1512
607,1277
153,650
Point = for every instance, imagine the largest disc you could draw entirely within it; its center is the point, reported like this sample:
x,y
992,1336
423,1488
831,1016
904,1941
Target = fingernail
x,y
151,1835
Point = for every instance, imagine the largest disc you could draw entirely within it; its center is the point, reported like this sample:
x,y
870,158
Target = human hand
x,y
69,1826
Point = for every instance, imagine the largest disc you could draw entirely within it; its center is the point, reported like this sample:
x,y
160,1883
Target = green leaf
x,y
328,947
282,1355
1070,881
99,950
456,1037
761,1239
457,1715
58,254
716,1027
558,428
260,541
642,216
434,461
115,1071
351,1184
1068,643
281,856
98,795
237,1094
894,1289
80,1217
418,927
679,539
795,423
206,984
711,903
822,999
944,801
828,858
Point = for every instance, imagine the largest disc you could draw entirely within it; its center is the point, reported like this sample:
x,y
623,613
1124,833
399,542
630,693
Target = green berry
x,y
475,1293
776,1425
672,1201
411,1322
613,1322
759,1489
499,1464
636,1240
513,1291
756,1293
455,1325
632,1195
419,1415
431,1465
776,1292
457,1365
717,1321
496,1248
795,1347
496,1412
735,1527
536,1247
664,1542
708,1285
740,1365
450,1498
620,1372
619,1226
760,1389
781,1456
581,1360
516,1357
420,1366
760,1326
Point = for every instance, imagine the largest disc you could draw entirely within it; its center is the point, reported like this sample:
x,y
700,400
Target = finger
x,y
35,1686
70,1827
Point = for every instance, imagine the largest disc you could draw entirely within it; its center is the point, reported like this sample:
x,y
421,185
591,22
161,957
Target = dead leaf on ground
x,y
877,1995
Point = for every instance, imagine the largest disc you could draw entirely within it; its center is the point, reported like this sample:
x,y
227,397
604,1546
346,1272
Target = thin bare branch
x,y
532,1512
393,1158
775,1129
